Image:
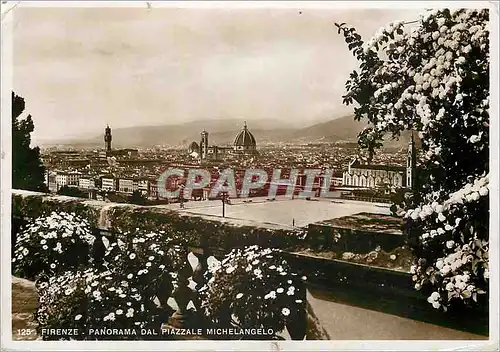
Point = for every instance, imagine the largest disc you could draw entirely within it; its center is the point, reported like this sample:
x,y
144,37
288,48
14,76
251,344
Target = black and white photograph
x,y
249,175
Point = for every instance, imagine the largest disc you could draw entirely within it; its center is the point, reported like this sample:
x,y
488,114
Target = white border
x,y
6,79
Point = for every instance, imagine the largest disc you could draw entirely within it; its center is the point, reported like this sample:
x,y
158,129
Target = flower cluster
x,y
129,291
433,77
52,244
255,287
460,270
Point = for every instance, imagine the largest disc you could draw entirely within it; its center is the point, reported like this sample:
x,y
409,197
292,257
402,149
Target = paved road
x,y
345,322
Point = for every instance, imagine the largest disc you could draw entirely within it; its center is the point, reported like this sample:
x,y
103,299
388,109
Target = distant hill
x,y
223,131
340,129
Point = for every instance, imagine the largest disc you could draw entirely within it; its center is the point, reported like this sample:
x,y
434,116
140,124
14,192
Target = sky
x,y
82,68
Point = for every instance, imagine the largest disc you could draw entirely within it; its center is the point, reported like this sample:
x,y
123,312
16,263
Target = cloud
x,y
80,68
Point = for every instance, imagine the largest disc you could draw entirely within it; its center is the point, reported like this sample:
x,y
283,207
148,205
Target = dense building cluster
x,y
99,172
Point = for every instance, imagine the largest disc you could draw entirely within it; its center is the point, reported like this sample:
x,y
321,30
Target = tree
x,y
433,77
72,192
137,198
28,171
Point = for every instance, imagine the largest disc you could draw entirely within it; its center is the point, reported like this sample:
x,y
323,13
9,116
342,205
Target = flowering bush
x,y
433,77
129,292
52,244
253,288
459,271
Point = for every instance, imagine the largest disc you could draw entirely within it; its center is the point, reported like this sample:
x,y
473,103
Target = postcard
x,y
249,175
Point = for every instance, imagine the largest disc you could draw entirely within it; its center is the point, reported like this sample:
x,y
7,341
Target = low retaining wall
x,y
342,240
193,230
380,289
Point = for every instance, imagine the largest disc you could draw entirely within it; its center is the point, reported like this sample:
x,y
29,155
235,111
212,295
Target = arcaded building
x,y
373,175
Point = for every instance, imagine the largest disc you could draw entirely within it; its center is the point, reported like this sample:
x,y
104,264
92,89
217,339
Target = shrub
x,y
128,292
52,244
459,272
252,288
433,77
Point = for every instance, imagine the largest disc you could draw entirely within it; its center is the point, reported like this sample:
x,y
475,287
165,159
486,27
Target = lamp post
x,y
181,196
224,196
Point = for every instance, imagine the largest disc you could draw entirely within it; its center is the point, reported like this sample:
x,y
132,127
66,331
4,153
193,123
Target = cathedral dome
x,y
193,147
245,139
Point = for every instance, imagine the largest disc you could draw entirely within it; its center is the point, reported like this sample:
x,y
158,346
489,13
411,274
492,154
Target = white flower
x,y
280,290
239,295
52,266
285,312
450,286
110,316
132,256
130,313
148,264
230,269
129,276
43,241
119,312
450,244
78,317
474,138
151,257
45,247
483,191
271,294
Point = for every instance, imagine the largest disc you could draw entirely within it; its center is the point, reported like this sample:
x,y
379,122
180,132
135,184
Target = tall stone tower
x,y
411,163
204,144
107,138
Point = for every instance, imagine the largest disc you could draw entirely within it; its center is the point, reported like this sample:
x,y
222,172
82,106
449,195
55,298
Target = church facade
x,y
374,176
244,145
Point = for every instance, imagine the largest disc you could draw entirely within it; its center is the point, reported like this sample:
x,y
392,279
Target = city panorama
x,y
218,174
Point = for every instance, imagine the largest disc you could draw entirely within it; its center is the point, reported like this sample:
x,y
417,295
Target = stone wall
x,y
217,233
341,240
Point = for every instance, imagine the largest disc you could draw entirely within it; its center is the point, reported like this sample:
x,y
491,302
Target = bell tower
x,y
204,144
411,163
107,138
